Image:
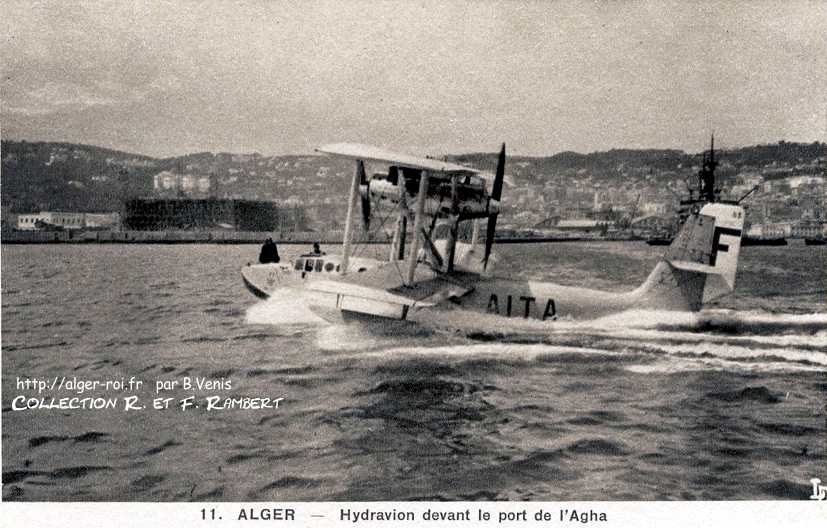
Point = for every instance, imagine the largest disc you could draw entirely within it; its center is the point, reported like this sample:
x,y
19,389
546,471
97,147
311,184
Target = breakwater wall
x,y
237,237
170,237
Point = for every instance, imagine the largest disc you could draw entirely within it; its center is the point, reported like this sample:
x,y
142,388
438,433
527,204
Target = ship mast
x,y
706,176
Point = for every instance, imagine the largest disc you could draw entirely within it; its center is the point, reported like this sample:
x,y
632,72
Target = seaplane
x,y
397,187
454,284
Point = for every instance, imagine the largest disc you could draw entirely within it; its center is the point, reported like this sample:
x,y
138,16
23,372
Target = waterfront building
x,y
806,229
45,220
771,230
156,214
111,221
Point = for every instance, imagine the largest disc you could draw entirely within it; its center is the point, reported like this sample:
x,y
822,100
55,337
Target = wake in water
x,y
358,338
669,342
722,321
713,339
645,360
654,341
285,306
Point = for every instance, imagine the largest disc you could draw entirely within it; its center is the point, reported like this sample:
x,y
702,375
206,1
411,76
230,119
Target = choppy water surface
x,y
724,404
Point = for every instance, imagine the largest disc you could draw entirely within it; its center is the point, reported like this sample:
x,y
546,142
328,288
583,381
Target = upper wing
x,y
371,153
362,152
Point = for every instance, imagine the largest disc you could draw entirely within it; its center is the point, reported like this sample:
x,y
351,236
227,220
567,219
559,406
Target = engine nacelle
x,y
472,199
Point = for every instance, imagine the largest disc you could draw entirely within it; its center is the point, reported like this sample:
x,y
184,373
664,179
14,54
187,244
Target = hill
x,y
72,177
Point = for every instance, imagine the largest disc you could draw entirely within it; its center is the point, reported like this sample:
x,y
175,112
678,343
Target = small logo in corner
x,y
819,491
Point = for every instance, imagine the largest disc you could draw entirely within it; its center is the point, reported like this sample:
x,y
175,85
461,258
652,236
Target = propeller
x,y
364,192
496,193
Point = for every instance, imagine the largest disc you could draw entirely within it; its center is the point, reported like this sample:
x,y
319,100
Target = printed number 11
x,y
204,514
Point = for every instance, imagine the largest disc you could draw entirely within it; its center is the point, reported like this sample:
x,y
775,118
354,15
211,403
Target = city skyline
x,y
438,78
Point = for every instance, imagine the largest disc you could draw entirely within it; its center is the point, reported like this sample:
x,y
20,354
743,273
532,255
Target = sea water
x,y
727,403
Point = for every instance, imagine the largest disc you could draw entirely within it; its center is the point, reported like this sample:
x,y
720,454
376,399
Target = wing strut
x,y
399,234
437,258
420,210
403,234
496,193
351,205
452,227
364,193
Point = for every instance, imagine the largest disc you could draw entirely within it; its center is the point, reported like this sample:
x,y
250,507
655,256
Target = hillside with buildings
x,y
609,187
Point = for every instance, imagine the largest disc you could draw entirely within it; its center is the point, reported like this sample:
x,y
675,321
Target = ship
x,y
708,193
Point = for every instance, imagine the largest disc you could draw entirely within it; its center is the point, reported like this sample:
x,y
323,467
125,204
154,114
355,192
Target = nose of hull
x,y
263,279
253,289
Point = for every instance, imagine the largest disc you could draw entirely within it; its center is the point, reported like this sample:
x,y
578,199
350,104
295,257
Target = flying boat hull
x,y
262,280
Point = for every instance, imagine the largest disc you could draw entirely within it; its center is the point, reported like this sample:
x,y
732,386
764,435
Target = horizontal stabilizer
x,y
692,266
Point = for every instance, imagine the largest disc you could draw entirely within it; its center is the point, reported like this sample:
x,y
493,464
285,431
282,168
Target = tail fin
x,y
701,263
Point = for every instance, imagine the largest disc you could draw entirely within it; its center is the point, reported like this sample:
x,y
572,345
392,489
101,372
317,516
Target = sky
x,y
170,78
